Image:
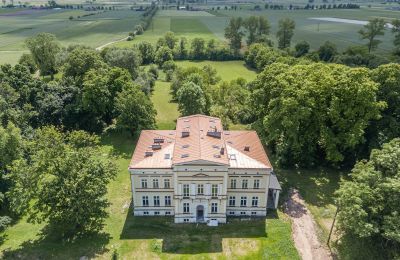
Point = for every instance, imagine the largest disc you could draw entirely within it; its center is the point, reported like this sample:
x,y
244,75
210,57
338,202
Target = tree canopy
x,y
369,202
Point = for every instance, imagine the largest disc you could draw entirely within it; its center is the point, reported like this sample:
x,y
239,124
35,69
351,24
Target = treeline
x,y
257,30
145,22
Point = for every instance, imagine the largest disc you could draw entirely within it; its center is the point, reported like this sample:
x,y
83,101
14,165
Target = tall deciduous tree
x,y
251,24
234,34
135,110
374,28
62,180
313,112
369,203
129,59
285,32
191,99
396,31
44,48
146,51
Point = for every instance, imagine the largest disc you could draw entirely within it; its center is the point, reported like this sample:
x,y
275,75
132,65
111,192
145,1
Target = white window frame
x,y
167,200
200,189
167,184
233,183
155,184
145,201
214,190
214,207
186,190
243,201
186,207
156,199
232,201
256,184
245,184
254,201
144,183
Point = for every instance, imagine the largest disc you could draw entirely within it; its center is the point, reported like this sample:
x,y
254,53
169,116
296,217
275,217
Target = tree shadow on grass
x,y
316,186
168,237
52,247
121,142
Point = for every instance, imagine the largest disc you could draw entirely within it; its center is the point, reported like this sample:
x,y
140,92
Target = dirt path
x,y
109,43
304,231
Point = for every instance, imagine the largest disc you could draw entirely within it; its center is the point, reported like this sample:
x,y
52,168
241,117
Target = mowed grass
x,y
94,30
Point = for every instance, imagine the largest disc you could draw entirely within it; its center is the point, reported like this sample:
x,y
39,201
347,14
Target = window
x,y
242,213
214,207
253,213
200,189
254,202
186,220
167,200
145,201
214,190
145,213
166,184
167,213
156,201
144,183
157,213
256,184
243,202
244,184
232,201
233,183
231,213
155,183
185,190
185,207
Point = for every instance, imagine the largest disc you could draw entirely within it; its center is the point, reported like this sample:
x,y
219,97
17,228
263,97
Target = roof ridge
x,y
153,131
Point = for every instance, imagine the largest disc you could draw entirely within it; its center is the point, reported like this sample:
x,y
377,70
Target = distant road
x,y
350,21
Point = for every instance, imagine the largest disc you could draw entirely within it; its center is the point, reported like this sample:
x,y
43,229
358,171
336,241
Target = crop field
x,y
211,24
93,30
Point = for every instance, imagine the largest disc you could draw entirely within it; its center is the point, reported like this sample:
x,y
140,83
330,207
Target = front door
x,y
200,213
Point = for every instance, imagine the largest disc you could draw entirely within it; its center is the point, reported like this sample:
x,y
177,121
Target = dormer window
x,y
185,133
247,148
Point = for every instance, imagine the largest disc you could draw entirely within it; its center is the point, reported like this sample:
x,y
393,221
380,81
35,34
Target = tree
x,y
44,48
374,28
396,32
191,99
285,32
79,61
181,51
170,40
27,60
369,202
327,51
146,51
163,54
263,26
301,49
128,59
62,180
100,88
139,29
388,126
234,34
198,49
135,110
251,24
11,145
314,112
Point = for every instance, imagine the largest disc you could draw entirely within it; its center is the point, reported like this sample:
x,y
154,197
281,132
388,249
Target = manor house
x,y
201,172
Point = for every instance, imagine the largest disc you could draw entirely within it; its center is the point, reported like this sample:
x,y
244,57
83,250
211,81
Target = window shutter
x,y
192,189
208,189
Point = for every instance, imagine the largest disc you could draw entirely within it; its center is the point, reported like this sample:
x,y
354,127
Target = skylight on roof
x,y
215,146
184,155
167,156
232,156
185,146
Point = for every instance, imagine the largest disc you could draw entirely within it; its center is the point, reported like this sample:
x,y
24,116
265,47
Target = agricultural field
x,y
211,24
93,30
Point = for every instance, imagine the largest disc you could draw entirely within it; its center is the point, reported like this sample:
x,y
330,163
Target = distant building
x,y
200,172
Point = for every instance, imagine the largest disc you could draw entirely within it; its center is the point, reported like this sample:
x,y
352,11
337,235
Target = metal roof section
x,y
274,183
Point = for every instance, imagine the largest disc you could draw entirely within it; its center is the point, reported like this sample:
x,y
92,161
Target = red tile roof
x,y
206,142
